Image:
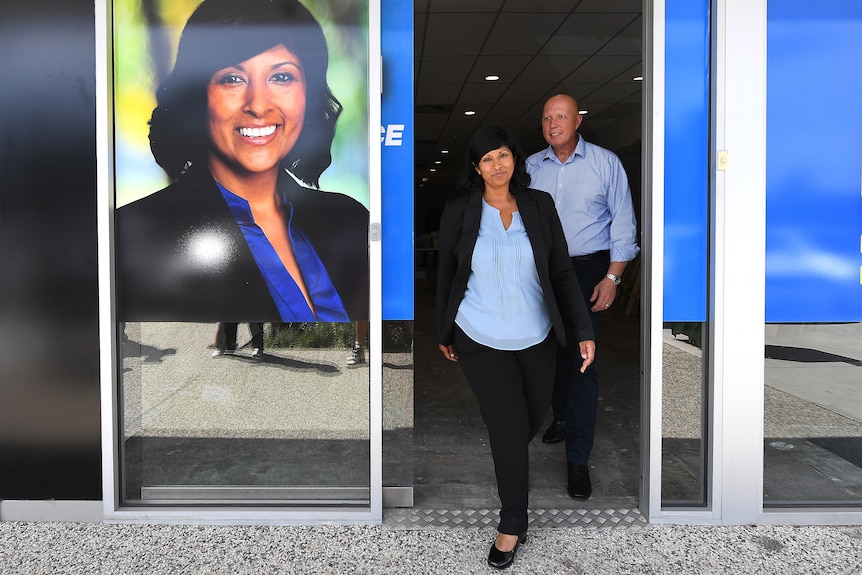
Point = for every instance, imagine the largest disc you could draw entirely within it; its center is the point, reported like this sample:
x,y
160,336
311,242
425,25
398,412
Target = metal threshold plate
x,y
408,519
253,494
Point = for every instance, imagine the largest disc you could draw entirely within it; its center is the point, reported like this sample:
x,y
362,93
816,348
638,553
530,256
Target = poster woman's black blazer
x,y
164,275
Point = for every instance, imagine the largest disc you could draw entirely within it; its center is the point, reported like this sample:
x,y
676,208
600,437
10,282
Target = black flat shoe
x,y
556,433
579,485
502,559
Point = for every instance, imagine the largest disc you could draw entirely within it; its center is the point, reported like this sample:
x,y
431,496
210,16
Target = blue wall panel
x,y
814,161
686,160
396,137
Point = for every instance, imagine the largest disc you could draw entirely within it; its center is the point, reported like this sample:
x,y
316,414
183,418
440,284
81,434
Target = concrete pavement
x,y
83,548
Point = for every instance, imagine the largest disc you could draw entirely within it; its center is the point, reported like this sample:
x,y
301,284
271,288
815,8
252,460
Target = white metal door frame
x,y
735,428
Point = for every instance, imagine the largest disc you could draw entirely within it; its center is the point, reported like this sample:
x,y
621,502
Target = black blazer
x,y
181,256
459,229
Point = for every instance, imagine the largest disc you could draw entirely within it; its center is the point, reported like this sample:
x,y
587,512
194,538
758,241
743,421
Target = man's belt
x,y
594,255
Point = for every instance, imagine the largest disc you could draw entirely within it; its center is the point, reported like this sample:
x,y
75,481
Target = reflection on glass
x,y
398,407
291,427
682,416
813,414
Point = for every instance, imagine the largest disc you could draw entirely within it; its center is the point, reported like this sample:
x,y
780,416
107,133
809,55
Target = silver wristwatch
x,y
615,279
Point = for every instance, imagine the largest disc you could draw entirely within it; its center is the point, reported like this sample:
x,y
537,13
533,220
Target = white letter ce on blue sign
x,y
391,135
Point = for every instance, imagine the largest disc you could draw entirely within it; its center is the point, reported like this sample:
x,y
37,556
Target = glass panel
x,y
292,426
813,414
398,404
682,415
813,381
241,191
686,250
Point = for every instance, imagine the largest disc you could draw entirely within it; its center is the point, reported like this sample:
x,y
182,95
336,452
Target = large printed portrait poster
x,y
241,160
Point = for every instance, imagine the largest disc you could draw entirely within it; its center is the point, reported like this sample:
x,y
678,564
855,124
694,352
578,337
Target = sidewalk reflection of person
x,y
504,288
360,345
244,126
226,339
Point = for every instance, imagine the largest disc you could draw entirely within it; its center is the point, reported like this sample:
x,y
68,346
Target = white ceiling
x,y
590,49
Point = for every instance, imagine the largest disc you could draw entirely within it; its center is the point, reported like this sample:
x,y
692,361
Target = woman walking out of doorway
x,y
505,287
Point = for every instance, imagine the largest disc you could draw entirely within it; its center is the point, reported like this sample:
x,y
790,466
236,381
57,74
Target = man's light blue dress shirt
x,y
593,198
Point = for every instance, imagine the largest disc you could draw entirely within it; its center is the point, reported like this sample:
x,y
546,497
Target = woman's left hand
x,y
449,352
588,353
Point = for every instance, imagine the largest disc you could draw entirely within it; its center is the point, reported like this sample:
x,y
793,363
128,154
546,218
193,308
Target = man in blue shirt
x,y
593,198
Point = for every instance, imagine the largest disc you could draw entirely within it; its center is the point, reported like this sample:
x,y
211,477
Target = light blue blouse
x,y
503,307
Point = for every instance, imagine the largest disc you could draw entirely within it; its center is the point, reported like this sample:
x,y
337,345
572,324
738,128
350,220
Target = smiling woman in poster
x,y
243,126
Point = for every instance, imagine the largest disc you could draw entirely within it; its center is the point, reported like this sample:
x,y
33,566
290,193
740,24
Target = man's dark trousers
x,y
576,395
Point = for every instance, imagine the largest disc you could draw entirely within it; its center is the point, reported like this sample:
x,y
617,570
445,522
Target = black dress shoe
x,y
502,559
555,433
579,486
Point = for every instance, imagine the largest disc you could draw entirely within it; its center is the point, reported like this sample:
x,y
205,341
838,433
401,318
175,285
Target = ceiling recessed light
x,y
444,151
582,112
492,78
438,162
433,170
424,179
470,113
638,78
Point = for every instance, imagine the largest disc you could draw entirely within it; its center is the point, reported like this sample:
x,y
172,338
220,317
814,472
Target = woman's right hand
x,y
448,352
588,353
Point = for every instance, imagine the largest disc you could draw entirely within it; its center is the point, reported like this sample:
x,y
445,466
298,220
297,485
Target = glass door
x,y
812,449
244,274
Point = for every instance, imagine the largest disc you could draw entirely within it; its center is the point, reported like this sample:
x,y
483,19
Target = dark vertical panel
x,y
49,380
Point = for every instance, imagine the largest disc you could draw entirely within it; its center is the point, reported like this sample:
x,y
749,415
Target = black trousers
x,y
514,391
226,336
576,395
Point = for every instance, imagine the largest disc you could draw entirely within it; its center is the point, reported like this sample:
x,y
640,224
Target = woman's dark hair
x,y
222,33
484,140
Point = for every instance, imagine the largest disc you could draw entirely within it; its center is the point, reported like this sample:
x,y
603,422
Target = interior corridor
x,y
452,463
